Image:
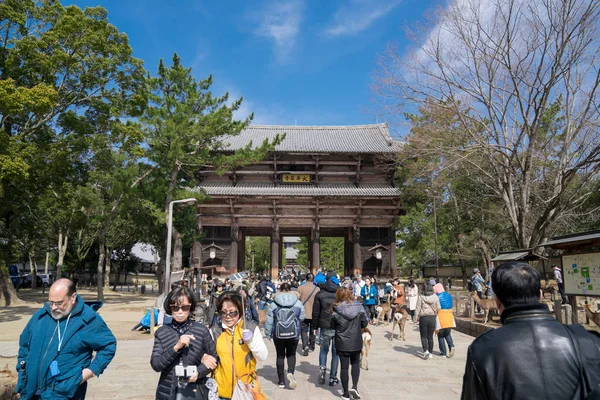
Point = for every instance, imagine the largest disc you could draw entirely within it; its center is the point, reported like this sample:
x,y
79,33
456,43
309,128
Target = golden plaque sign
x,y
295,178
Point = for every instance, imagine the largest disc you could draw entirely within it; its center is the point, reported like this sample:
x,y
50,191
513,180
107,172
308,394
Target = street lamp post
x,y
167,277
435,237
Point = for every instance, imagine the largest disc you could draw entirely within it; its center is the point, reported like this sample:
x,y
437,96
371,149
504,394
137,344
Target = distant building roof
x,y
582,239
325,190
373,138
516,255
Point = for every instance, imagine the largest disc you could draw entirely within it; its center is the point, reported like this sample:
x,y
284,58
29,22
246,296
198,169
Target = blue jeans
x,y
328,339
444,335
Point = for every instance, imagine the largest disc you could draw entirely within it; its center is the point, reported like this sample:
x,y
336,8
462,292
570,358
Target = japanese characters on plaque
x,y
295,178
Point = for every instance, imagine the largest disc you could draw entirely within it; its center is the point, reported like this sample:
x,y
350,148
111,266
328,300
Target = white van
x,y
47,279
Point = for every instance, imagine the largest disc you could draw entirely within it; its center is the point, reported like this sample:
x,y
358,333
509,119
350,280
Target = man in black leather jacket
x,y
532,356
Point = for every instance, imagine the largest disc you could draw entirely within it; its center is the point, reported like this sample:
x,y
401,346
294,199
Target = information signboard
x,y
581,274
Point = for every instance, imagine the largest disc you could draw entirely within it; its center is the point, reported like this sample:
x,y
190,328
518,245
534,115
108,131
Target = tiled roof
x,y
268,189
320,139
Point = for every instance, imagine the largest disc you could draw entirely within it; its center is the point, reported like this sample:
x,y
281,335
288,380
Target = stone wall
x,y
471,328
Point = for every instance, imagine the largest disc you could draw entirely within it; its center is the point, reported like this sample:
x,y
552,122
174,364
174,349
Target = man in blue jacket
x,y
56,347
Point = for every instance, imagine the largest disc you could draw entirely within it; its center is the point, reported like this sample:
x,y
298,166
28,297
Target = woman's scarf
x,y
181,327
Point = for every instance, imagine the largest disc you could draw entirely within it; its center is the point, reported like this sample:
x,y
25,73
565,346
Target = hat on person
x,y
475,270
438,288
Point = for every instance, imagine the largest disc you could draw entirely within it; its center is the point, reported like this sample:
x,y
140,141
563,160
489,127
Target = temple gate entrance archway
x,y
320,181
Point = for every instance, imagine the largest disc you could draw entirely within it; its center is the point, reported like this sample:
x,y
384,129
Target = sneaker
x,y
345,398
322,372
305,351
451,352
333,381
430,356
291,380
281,385
354,394
426,355
311,348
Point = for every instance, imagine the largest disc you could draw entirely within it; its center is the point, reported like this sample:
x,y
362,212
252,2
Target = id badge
x,y
54,368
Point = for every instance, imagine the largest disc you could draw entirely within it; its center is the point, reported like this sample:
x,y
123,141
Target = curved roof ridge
x,y
316,127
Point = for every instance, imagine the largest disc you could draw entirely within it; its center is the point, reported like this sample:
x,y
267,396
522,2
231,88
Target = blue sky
x,y
294,60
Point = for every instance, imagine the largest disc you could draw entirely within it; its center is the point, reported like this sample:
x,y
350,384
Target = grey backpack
x,y
286,323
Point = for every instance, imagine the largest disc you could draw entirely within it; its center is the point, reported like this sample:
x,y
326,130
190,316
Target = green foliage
x,y
332,254
261,246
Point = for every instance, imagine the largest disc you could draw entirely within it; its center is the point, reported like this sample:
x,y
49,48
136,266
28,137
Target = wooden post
x,y
568,313
471,307
573,302
558,311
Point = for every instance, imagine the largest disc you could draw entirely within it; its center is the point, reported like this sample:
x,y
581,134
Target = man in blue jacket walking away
x,y
56,347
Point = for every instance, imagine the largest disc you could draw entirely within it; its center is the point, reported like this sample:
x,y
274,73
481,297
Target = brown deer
x,y
400,317
383,310
594,316
485,304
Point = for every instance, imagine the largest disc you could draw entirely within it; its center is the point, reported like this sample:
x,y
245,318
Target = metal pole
x,y
437,264
168,258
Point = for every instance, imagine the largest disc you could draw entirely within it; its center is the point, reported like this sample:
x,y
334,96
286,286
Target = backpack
x,y
286,323
471,285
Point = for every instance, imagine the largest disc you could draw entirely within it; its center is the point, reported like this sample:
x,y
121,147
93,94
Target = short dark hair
x,y
516,283
310,276
233,297
427,289
174,297
285,287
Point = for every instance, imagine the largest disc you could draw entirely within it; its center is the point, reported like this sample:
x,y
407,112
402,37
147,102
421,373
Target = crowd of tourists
x,y
218,358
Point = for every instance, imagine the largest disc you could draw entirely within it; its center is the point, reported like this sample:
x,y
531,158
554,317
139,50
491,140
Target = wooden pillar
x,y
392,256
358,262
573,303
316,247
242,252
275,239
234,251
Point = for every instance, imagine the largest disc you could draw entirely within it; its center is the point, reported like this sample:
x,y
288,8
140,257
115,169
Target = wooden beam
x,y
308,206
296,216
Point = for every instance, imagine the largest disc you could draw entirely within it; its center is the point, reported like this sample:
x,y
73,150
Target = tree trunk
x,y
33,267
177,251
101,258
8,294
62,250
118,277
46,263
108,261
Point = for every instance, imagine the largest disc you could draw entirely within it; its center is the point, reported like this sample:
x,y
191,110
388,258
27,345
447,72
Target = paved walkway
x,y
396,371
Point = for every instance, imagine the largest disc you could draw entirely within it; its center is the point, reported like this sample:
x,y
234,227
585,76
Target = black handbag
x,y
193,391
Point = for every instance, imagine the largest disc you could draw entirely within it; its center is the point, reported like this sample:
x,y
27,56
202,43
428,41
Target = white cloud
x,y
280,22
356,16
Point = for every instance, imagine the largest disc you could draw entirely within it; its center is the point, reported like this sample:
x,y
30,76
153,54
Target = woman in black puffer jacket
x,y
348,318
182,342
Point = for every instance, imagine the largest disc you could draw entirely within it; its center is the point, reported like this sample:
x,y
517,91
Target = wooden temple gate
x,y
320,181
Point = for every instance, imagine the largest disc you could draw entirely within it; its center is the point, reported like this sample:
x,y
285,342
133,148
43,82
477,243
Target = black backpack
x,y
470,285
286,323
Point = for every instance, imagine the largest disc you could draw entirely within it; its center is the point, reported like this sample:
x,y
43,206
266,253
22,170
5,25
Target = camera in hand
x,y
185,372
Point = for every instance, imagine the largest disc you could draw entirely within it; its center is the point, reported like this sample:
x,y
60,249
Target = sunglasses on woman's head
x,y
183,308
225,314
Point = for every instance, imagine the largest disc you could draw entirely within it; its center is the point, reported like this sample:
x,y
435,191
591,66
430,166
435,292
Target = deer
x,y
400,317
385,309
485,304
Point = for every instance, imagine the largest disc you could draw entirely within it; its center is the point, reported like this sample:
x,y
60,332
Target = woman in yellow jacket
x,y
238,346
